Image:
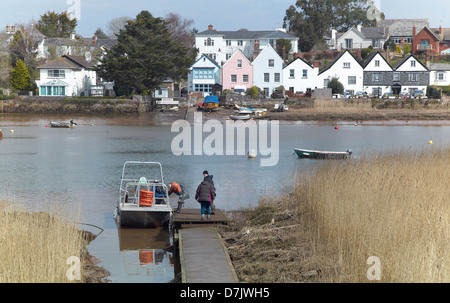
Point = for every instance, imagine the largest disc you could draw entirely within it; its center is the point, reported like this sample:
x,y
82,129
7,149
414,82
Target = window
x,y
396,76
291,73
348,43
56,73
271,63
209,42
351,79
440,76
266,91
397,40
325,82
203,73
266,77
305,74
203,88
245,78
377,77
346,64
412,77
233,78
227,56
277,77
413,63
377,63
228,42
239,63
53,91
240,42
376,91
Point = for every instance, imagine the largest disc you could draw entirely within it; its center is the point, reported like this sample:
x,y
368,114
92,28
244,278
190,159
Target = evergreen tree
x,y
20,78
56,25
145,55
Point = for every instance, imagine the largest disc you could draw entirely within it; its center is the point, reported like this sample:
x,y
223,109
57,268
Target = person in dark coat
x,y
208,177
205,194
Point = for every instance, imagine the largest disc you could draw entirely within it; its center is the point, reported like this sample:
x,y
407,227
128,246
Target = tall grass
x,y
35,246
394,206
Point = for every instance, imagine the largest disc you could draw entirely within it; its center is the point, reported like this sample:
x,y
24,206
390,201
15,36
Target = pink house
x,y
237,73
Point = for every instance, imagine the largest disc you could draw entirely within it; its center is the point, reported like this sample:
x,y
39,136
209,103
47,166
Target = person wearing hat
x,y
209,178
205,195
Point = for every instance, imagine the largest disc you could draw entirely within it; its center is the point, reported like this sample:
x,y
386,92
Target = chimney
x,y
316,64
440,29
256,49
210,27
414,31
94,40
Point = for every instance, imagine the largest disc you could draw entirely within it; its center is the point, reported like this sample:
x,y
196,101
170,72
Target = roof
x,y
67,62
337,59
381,32
403,27
439,66
406,58
372,55
248,35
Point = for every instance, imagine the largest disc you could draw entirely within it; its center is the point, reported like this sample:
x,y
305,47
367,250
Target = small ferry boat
x,y
317,154
143,196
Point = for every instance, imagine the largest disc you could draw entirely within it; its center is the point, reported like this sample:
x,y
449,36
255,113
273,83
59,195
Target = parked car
x,y
404,95
389,96
419,94
361,95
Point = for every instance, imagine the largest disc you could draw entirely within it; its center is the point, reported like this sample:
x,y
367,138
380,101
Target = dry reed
x,y
393,206
35,246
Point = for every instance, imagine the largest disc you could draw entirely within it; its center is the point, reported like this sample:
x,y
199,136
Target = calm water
x,y
82,167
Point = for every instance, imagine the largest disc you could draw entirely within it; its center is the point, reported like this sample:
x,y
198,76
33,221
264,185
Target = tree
x,y
336,86
116,25
57,25
100,34
406,48
283,46
20,79
181,29
310,19
145,55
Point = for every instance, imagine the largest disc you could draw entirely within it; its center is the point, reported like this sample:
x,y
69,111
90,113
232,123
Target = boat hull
x,y
144,219
315,154
239,117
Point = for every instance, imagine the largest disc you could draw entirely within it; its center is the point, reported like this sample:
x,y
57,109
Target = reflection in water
x,y
147,253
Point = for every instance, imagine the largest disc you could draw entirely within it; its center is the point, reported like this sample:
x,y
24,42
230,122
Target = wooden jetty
x,y
203,255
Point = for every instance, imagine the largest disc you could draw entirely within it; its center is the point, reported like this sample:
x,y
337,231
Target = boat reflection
x,y
147,253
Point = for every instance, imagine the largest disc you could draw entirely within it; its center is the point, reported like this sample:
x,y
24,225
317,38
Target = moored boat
x,y
317,154
143,196
239,117
63,124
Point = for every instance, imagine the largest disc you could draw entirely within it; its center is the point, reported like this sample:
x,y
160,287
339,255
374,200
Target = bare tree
x,y
181,29
116,24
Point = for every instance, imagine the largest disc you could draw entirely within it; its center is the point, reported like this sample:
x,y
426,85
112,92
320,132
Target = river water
x,y
81,167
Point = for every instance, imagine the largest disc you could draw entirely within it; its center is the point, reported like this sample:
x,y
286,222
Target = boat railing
x,y
131,193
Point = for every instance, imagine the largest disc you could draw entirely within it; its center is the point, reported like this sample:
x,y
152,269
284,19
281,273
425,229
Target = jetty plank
x,y
192,216
204,257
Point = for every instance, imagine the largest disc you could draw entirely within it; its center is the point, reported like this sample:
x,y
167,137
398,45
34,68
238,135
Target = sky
x,y
223,15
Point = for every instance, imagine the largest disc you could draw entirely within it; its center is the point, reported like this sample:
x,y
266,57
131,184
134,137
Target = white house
x,y
268,70
439,74
378,75
346,69
203,74
359,37
221,45
299,76
66,76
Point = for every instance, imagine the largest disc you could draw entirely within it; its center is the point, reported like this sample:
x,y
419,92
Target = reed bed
x,y
35,246
392,208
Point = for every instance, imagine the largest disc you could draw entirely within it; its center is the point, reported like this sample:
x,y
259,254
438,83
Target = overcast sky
x,y
223,15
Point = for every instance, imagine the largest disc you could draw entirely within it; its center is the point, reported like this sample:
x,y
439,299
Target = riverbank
x,y
381,218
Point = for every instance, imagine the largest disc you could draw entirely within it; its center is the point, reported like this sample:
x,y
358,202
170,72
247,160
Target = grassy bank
x,y
36,246
394,207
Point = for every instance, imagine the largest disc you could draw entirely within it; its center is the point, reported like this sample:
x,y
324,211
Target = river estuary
x,y
81,168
